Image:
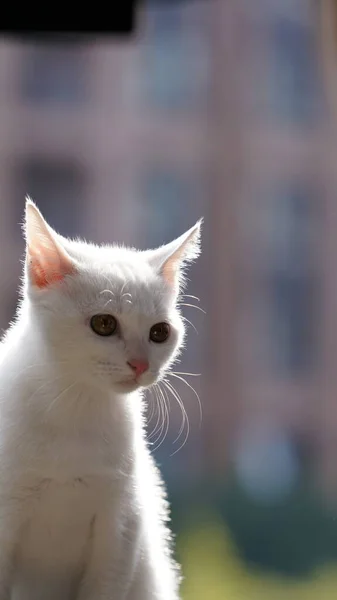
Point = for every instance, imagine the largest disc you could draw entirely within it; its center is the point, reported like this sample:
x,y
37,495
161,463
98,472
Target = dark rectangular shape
x,y
59,23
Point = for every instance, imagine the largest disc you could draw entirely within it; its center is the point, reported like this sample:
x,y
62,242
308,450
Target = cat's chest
x,y
60,521
70,457
73,459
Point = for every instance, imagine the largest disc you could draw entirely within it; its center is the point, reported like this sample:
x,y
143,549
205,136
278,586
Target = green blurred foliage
x,y
292,537
233,547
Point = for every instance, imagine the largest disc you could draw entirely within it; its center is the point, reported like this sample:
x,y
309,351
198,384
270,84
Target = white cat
x,y
82,508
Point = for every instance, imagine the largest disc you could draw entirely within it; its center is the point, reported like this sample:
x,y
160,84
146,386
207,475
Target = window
x,y
293,82
290,279
175,59
54,73
57,188
170,205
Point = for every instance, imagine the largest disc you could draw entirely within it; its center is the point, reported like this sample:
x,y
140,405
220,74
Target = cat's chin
x,y
126,386
131,385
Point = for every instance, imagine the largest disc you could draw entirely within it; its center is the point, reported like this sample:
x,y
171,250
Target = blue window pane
x,y
292,282
175,60
294,86
54,74
170,205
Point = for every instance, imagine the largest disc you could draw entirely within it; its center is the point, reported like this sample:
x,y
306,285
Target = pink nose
x,y
138,366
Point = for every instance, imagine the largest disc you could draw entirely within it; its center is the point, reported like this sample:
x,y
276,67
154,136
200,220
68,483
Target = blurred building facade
x,y
214,109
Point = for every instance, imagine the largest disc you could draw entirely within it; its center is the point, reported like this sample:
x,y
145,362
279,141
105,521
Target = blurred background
x,y
228,110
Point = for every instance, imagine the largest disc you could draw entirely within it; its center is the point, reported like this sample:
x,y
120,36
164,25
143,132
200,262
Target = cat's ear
x,y
46,261
170,260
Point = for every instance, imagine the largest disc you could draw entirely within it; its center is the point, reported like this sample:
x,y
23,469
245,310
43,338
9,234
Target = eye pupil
x,y
104,325
159,332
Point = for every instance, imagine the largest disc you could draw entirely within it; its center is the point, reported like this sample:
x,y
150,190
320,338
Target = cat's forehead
x,y
121,287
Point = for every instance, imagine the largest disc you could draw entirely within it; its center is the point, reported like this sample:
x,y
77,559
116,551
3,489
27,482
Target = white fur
x,y
82,507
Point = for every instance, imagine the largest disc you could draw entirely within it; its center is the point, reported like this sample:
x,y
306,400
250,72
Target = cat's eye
x,y
103,324
159,332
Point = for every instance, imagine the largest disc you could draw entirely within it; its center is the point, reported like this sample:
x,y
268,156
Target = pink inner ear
x,y
171,266
48,265
169,271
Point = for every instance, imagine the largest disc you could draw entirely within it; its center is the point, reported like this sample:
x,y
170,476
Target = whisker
x,y
45,384
189,296
193,306
60,396
181,373
123,287
166,420
178,376
162,417
164,427
183,413
79,407
122,293
158,407
190,323
107,291
175,394
150,405
182,419
36,365
107,302
154,407
110,283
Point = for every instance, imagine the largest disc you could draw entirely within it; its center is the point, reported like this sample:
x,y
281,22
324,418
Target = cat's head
x,y
107,314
